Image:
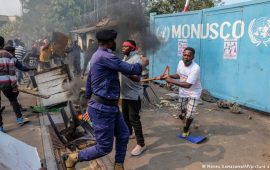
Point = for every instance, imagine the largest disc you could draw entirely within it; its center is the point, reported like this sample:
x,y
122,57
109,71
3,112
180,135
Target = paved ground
x,y
233,139
29,133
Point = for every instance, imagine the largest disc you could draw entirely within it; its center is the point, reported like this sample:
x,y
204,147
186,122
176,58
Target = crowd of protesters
x,y
39,56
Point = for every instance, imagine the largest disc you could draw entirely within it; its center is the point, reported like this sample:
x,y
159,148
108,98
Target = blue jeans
x,y
106,126
19,76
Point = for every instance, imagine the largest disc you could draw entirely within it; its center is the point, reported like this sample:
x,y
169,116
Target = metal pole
x,y
186,6
97,11
106,7
21,5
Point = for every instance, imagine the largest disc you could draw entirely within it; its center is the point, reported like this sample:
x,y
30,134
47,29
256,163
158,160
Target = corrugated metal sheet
x,y
105,23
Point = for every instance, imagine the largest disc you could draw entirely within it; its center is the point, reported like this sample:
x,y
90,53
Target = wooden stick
x,y
166,72
149,79
34,94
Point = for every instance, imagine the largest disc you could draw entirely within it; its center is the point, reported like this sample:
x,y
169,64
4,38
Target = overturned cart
x,y
69,126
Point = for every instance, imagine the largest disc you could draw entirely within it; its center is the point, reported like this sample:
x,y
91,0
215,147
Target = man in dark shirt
x,y
92,47
75,54
31,61
103,91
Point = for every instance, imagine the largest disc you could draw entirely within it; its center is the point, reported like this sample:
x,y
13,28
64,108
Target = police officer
x,y
103,90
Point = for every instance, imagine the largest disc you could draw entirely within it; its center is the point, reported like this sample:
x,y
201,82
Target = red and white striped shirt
x,y
7,70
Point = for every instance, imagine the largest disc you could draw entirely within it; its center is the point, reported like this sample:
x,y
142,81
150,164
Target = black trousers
x,y
45,65
12,97
32,79
131,111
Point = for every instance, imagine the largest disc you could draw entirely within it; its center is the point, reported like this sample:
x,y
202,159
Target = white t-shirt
x,y
190,74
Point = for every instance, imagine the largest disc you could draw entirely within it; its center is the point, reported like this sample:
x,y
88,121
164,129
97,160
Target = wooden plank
x,y
53,91
51,78
52,87
47,144
33,93
49,73
56,99
51,84
52,69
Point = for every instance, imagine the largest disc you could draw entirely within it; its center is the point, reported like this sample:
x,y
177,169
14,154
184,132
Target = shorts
x,y
189,105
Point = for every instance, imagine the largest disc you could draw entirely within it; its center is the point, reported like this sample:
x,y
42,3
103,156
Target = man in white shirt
x,y
189,86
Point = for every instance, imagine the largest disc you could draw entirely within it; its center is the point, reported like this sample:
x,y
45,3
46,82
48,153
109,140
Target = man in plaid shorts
x,y
189,86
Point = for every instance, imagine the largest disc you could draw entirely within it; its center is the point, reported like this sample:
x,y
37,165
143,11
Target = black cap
x,y
9,48
106,35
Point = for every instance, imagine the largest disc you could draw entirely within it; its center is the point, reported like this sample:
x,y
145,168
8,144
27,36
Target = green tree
x,y
85,6
173,6
62,16
7,30
40,17
31,25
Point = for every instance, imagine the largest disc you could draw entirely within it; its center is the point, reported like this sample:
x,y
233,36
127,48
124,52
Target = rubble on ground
x,y
170,100
233,106
172,96
207,96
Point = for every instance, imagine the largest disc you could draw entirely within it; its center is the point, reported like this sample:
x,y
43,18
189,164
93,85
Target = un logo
x,y
163,33
259,31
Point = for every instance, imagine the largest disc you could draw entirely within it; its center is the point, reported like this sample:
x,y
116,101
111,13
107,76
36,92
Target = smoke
x,y
132,22
74,87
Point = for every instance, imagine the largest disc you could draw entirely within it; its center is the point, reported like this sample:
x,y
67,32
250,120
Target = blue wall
x,y
243,76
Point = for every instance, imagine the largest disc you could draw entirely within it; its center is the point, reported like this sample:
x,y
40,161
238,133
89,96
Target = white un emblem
x,y
259,31
163,33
